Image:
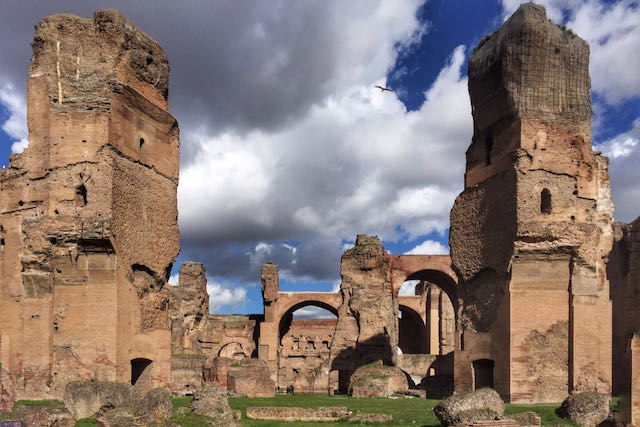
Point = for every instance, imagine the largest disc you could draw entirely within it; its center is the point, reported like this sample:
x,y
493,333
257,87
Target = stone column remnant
x,y
532,229
88,212
367,326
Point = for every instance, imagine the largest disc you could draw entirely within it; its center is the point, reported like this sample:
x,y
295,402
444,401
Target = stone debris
x,y
588,409
212,401
377,380
90,399
470,407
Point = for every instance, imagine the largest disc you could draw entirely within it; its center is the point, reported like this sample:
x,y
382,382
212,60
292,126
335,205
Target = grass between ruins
x,y
405,411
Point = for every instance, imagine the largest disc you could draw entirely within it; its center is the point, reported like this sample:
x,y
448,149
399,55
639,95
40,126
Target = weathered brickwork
x,y
537,300
89,213
534,222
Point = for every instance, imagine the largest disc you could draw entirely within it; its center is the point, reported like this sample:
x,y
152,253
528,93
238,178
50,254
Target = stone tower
x,y
532,229
88,217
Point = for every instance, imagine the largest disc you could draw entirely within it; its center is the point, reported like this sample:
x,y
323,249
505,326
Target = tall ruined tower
x,y
88,212
532,229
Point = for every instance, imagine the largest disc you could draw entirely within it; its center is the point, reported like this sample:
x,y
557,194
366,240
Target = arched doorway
x,y
412,333
141,374
305,335
233,350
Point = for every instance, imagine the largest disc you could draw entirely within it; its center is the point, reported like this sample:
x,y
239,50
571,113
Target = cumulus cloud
x,y
174,279
226,295
408,287
16,124
358,162
624,151
429,247
312,312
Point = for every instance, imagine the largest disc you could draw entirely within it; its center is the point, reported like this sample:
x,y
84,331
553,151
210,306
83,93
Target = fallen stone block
x,y
588,409
475,406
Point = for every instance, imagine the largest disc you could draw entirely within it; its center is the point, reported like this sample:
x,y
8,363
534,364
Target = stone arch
x,y
233,350
287,314
440,278
412,333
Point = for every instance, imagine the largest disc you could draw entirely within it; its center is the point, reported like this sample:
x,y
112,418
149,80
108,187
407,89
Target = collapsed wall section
x,y
89,212
367,326
532,229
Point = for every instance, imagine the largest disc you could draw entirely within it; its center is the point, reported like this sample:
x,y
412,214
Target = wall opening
x,y
306,332
545,201
488,146
412,332
81,195
141,374
482,373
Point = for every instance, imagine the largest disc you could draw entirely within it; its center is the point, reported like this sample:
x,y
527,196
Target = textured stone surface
x,y
526,419
212,401
480,405
89,211
377,380
304,356
366,330
37,416
155,406
89,399
251,378
534,222
297,414
588,409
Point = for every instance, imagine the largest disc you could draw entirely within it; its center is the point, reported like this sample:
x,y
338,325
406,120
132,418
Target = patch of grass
x,y
190,419
405,412
180,402
86,422
20,403
547,413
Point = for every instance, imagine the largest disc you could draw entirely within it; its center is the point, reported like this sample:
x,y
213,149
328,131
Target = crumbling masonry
x,y
88,212
538,298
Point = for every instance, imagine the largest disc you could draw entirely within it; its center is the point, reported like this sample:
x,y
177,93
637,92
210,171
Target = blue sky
x,y
287,150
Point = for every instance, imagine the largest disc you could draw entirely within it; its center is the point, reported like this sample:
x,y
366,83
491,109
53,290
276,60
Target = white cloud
x,y
16,125
624,151
358,162
174,280
408,287
224,294
612,30
313,312
429,247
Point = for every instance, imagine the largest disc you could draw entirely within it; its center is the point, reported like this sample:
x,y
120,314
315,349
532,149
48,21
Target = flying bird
x,y
382,89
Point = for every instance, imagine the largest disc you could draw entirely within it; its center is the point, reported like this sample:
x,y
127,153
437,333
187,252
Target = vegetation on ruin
x,y
86,422
45,402
483,40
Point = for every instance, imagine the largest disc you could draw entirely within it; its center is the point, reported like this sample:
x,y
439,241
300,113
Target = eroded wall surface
x,y
532,229
367,326
623,271
198,337
88,212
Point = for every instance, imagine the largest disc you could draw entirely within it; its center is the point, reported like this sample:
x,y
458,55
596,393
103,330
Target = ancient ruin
x,y
88,213
537,300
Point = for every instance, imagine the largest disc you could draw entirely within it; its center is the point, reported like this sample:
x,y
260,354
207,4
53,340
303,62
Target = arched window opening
x,y
482,373
545,201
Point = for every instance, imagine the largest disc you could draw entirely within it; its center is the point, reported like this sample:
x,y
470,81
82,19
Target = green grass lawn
x,y
405,412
